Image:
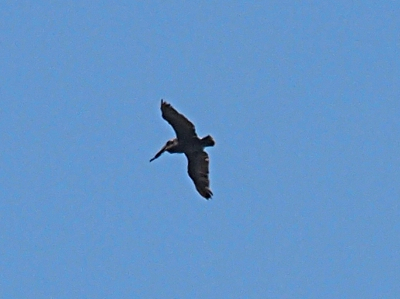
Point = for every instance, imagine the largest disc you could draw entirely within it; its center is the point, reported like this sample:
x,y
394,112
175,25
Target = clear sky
x,y
302,98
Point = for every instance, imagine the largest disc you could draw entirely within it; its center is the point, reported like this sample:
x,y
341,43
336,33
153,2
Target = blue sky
x,y
302,98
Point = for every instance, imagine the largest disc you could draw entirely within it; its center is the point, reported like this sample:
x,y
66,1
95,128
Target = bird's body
x,y
191,145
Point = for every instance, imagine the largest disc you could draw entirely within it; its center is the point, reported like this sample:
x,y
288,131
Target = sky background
x,y
302,98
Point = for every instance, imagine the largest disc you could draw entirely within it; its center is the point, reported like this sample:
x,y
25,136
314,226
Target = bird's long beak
x,y
159,153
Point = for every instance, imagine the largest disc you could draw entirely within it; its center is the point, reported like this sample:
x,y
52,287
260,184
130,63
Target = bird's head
x,y
170,143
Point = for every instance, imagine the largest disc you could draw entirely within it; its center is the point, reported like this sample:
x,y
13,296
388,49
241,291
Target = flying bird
x,y
188,143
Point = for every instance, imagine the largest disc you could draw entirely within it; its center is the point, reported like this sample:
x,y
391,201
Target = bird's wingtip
x,y
164,103
208,194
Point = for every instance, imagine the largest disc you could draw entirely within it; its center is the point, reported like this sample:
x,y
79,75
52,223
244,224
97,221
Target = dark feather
x,y
183,127
198,171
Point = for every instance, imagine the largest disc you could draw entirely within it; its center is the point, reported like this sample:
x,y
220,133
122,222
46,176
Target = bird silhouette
x,y
188,143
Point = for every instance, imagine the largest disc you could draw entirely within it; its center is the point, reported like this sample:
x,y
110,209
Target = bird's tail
x,y
207,141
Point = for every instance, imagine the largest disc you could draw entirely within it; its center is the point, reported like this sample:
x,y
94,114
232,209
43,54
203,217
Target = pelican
x,y
188,143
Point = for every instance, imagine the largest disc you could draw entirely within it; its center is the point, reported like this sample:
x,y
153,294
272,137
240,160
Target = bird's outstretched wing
x,y
183,128
198,172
